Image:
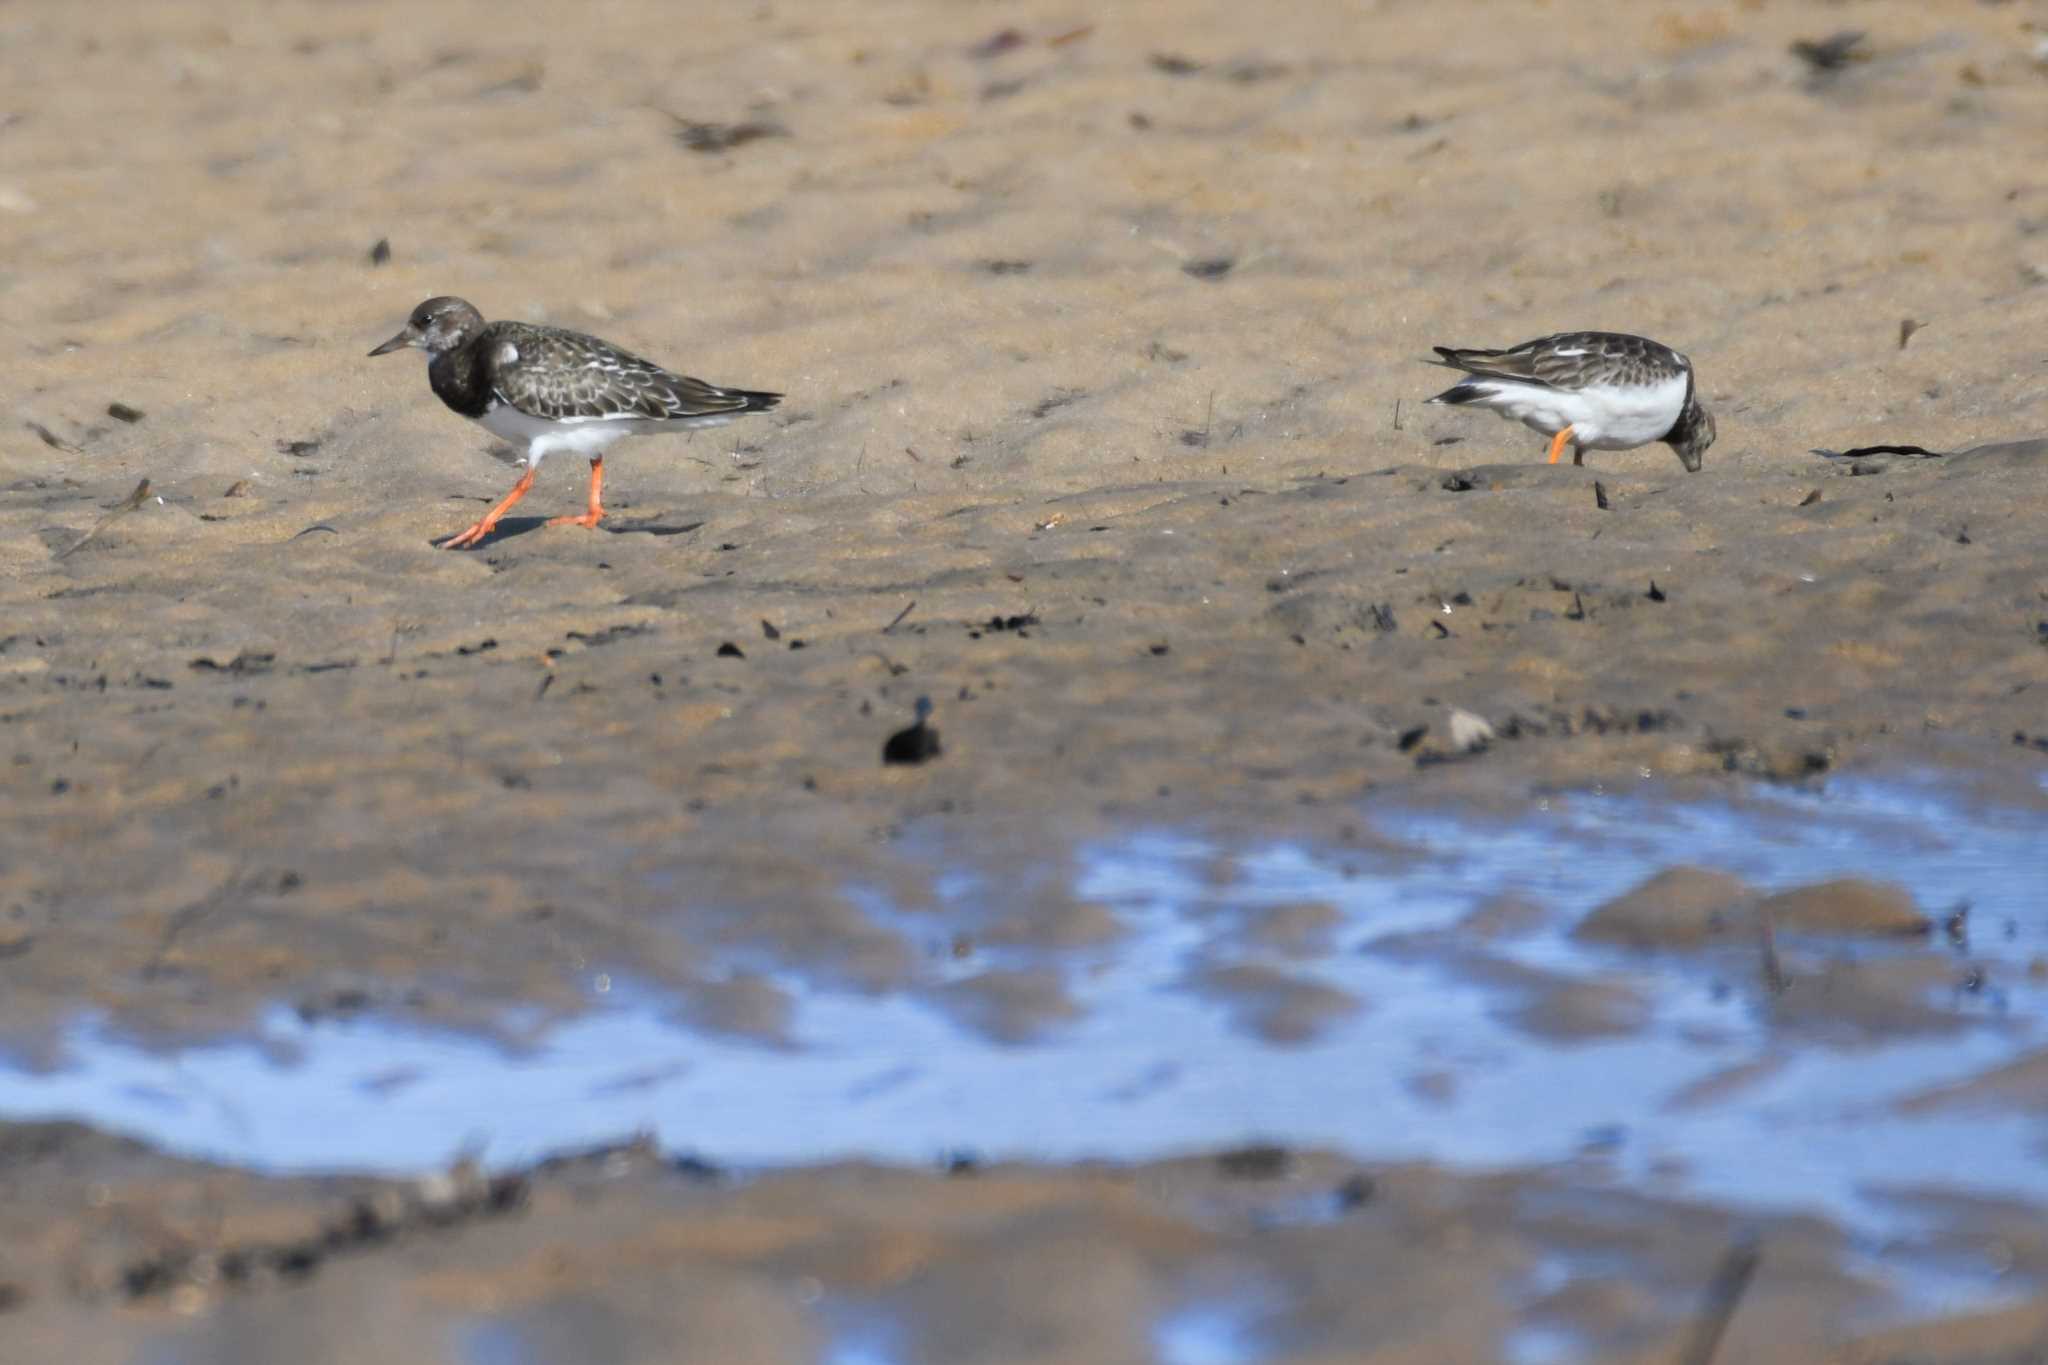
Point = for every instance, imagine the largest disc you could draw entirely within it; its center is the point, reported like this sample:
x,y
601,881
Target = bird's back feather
x,y
565,376
1568,360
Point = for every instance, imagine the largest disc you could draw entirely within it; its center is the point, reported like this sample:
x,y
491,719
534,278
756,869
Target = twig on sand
x,y
188,916
128,504
1724,1293
1767,943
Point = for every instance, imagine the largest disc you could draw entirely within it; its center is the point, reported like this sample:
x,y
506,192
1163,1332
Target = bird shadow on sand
x,y
512,527
653,526
506,529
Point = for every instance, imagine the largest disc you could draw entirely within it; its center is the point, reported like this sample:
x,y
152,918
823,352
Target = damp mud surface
x,y
1331,736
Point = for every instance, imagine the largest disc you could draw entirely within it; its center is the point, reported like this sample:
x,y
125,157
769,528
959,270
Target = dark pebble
x,y
915,743
1259,1161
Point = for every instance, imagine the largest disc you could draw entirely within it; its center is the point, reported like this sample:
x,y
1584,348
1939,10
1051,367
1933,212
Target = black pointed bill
x,y
397,343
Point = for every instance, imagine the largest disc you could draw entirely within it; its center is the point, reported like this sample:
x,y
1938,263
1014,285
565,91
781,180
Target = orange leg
x,y
596,512
462,540
1557,447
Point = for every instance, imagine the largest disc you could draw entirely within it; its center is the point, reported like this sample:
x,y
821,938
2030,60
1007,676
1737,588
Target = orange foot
x,y
1557,447
462,540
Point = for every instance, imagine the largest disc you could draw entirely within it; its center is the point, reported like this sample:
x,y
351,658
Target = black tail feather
x,y
757,400
1463,357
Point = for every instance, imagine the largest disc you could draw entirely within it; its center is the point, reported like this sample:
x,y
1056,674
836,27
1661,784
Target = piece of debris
x,y
1469,733
592,639
1956,925
524,81
1250,71
1860,452
52,439
1210,268
722,137
125,506
915,743
1174,65
121,412
996,44
380,254
1833,52
1054,401
1600,495
1907,326
1258,1161
245,664
729,650
1724,1292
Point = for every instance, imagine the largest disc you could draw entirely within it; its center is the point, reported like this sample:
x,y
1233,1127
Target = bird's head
x,y
1691,434
437,327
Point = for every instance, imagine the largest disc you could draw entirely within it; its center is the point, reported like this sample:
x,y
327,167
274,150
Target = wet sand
x,y
1104,431
625,1255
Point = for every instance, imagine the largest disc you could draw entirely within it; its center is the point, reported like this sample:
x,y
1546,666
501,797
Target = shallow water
x,y
1421,1044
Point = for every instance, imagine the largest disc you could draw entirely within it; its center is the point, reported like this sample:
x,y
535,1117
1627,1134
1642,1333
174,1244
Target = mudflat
x,y
1104,431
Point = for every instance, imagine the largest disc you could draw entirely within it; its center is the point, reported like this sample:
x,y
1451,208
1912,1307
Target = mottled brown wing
x,y
1572,360
1513,362
568,377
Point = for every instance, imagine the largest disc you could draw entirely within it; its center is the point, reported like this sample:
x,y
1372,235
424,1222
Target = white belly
x,y
539,438
1601,418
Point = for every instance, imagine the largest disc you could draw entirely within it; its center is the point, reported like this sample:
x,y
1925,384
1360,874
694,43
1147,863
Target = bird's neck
x,y
459,380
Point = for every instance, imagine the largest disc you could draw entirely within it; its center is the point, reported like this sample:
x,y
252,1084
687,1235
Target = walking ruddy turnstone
x,y
547,389
1591,390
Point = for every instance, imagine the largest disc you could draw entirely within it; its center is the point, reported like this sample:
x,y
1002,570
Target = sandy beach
x,y
1101,333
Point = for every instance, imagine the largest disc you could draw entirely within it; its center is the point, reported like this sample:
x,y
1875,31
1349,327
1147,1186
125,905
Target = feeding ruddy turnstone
x,y
547,389
1591,390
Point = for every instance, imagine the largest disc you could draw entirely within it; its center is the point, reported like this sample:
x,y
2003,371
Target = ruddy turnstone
x,y
547,389
1593,390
